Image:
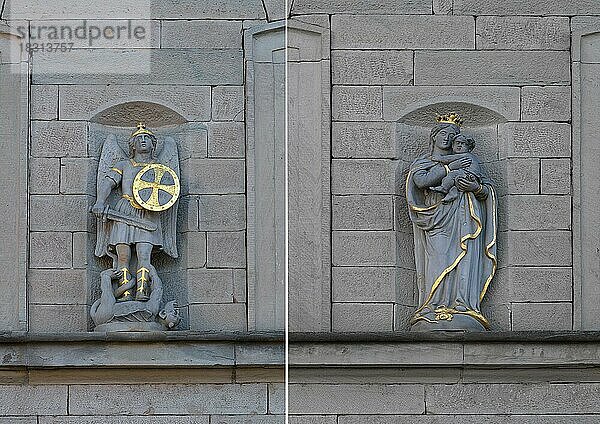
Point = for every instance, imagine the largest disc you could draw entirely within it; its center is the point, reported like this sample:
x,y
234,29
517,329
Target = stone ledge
x,y
141,350
462,350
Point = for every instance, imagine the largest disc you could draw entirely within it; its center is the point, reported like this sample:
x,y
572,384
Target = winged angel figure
x,y
136,206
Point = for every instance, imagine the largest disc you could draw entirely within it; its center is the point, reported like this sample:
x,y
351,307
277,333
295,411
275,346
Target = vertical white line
x,y
286,214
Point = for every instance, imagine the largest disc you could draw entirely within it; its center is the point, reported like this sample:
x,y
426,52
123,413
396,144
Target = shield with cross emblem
x,y
156,187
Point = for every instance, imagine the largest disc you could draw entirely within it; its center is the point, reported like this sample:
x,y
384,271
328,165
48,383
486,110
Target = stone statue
x,y
136,206
452,205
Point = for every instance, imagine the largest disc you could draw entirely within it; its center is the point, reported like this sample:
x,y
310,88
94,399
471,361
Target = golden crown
x,y
450,118
141,129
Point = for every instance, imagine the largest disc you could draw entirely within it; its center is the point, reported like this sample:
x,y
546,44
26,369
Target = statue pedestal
x,y
129,327
459,322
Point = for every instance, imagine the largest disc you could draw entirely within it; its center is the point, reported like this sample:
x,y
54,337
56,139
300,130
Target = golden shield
x,y
156,187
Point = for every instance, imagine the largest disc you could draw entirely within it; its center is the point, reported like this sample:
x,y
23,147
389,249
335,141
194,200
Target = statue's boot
x,y
125,279
142,293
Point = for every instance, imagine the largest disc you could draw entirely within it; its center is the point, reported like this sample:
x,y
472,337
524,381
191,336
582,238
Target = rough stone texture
x,y
82,102
58,139
44,175
45,400
540,139
276,398
386,67
355,399
247,419
51,250
363,140
218,317
522,33
546,103
210,285
357,103
492,68
168,399
57,286
216,176
542,316
207,34
68,213
226,249
196,249
522,176
535,213
58,318
555,176
527,7
222,213
354,248
171,419
550,248
362,176
362,213
313,419
228,103
44,102
77,175
226,140
363,284
361,6
362,317
532,284
402,32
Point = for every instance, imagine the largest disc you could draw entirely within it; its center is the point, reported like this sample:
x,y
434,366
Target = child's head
x,y
463,143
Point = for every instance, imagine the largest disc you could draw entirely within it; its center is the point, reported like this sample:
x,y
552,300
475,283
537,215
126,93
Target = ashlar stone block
x,y
376,176
527,7
222,212
77,175
540,284
362,317
363,140
360,6
531,248
550,103
202,34
226,140
59,213
356,248
51,250
196,249
228,103
385,67
523,33
210,286
216,176
44,175
57,286
44,102
556,176
58,318
537,212
42,399
218,317
535,139
226,249
542,316
355,103
363,284
362,212
58,139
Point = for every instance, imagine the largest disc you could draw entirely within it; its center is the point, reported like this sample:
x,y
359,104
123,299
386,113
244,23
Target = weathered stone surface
x,y
204,34
44,175
386,67
467,419
400,101
363,284
77,175
44,102
492,68
551,248
527,7
80,249
168,399
363,176
442,7
212,9
247,419
355,399
360,6
82,102
33,400
313,419
19,420
536,212
216,176
69,213
226,140
276,398
218,317
58,139
58,318
556,176
171,419
239,286
362,213
513,398
51,250
543,139
196,249
375,248
542,316
362,317
402,32
187,219
222,212
531,284
228,103
351,103
550,103
114,66
363,140
522,33
57,286
210,285
226,249
522,176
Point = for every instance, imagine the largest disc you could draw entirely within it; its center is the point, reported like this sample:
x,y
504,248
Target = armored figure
x,y
136,206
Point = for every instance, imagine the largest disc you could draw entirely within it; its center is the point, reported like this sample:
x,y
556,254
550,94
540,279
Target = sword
x,y
113,215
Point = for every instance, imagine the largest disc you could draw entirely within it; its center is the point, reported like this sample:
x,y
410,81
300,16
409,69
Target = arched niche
x,y
413,139
191,139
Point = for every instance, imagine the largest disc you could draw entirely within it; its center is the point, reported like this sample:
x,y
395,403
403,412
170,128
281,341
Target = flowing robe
x,y
455,248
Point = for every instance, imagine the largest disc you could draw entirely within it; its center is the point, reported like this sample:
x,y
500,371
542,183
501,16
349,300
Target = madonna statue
x,y
455,233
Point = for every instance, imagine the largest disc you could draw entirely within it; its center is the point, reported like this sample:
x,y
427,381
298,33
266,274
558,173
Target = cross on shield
x,y
156,187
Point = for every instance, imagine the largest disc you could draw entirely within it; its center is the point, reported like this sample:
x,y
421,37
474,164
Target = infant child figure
x,y
462,145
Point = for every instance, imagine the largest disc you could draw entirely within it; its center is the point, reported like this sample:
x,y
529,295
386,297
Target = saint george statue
x,y
452,205
136,206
